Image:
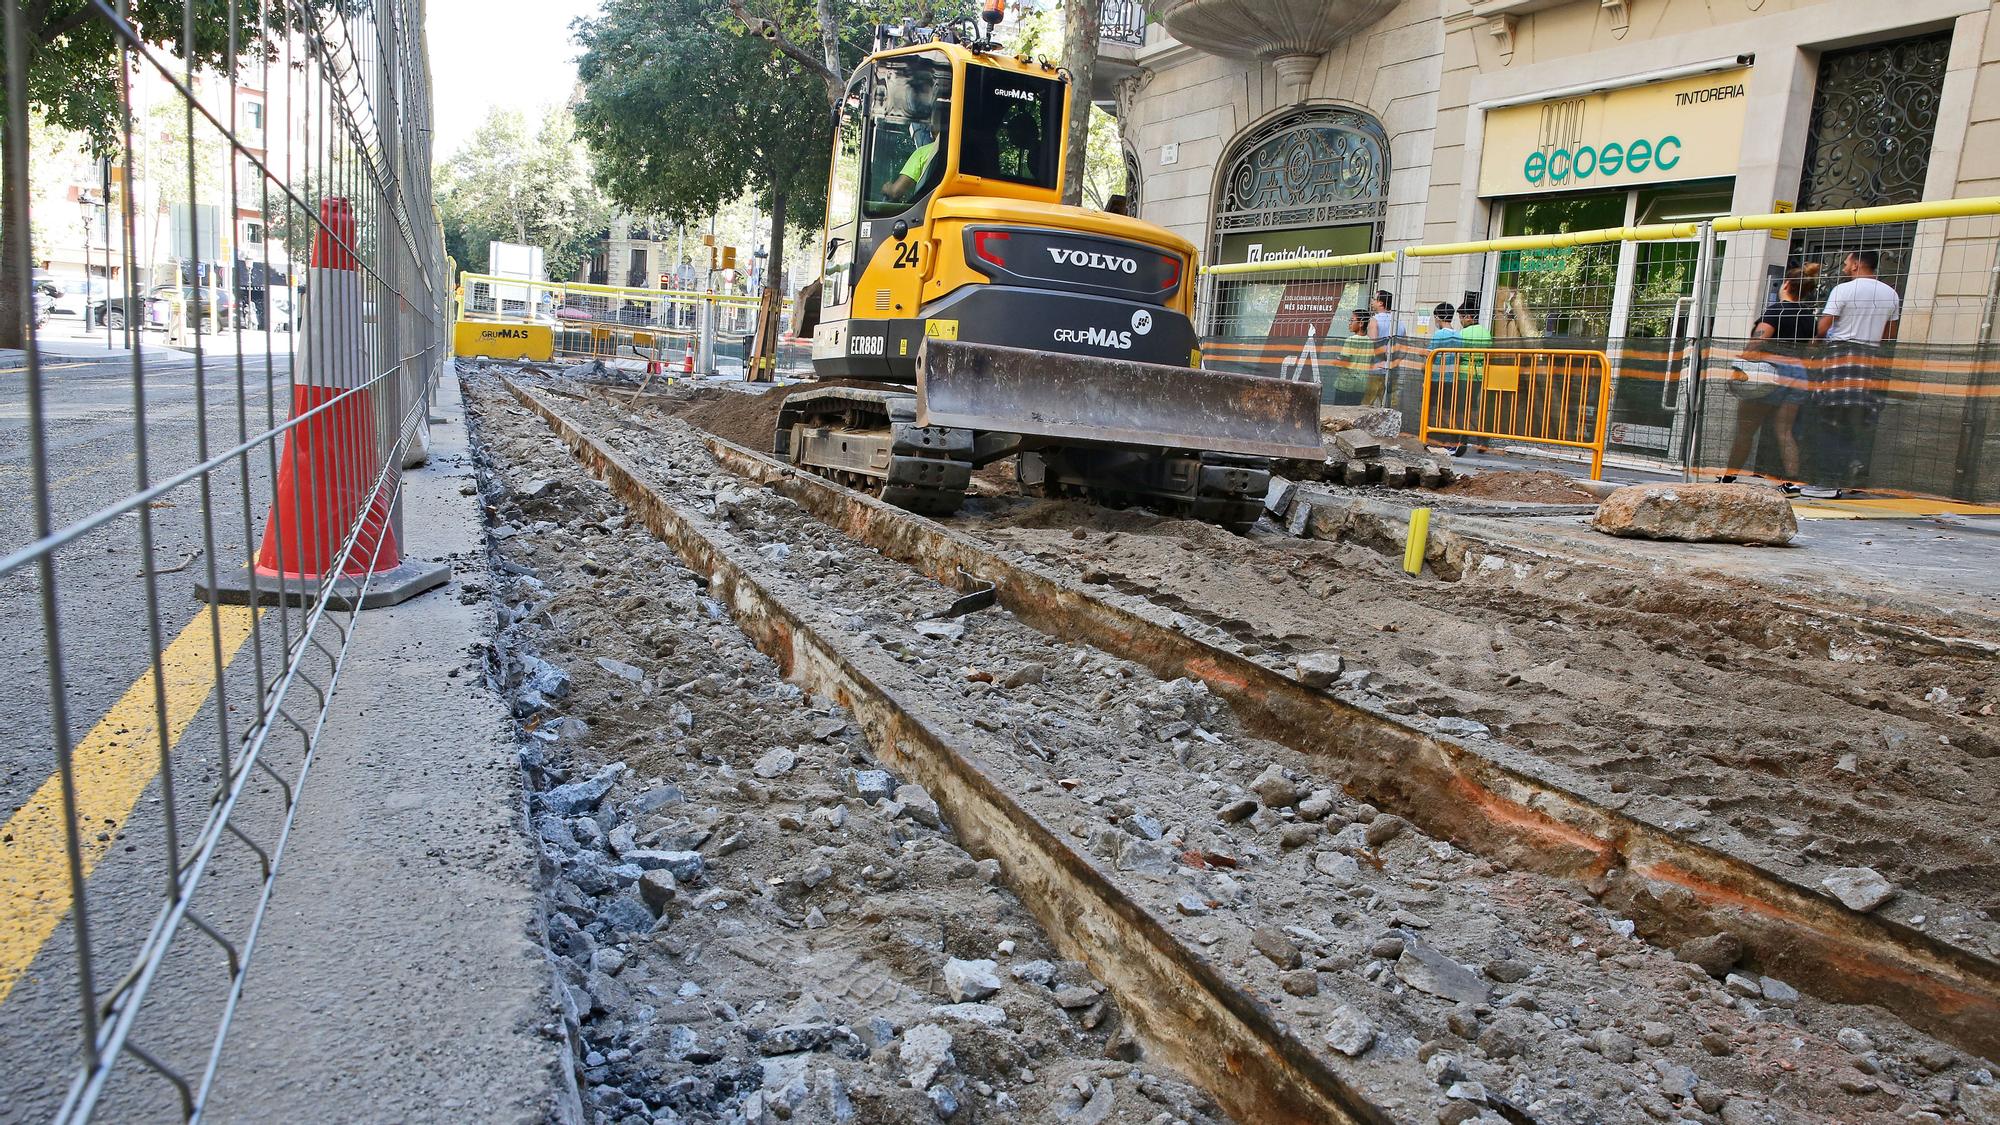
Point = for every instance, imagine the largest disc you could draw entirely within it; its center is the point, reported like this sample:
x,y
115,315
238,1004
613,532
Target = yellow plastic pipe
x,y
1420,537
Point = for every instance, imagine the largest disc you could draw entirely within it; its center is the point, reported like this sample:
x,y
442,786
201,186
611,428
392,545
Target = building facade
x,y
1273,128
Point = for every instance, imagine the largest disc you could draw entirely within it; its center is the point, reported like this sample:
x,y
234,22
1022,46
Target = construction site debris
x,y
1699,513
1859,888
1538,486
1097,743
1376,421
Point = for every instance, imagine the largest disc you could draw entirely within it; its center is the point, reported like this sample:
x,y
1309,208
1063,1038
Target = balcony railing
x,y
1121,21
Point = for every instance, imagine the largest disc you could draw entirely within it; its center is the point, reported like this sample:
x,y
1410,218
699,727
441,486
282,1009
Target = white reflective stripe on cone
x,y
335,349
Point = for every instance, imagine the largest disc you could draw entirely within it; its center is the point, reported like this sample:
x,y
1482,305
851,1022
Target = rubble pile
x,y
830,894
1366,445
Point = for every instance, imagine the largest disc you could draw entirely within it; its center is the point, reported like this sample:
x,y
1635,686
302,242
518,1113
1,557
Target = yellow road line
x,y
113,764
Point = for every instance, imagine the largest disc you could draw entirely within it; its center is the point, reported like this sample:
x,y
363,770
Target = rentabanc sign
x,y
1662,132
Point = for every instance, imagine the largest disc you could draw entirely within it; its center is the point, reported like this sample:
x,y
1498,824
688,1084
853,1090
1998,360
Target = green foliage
x,y
1103,160
530,184
684,112
73,57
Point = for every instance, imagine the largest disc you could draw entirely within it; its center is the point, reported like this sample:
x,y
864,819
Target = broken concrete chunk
x,y
685,866
1859,888
1354,444
1273,944
1236,810
939,630
581,796
870,785
1276,789
1318,806
621,669
1384,828
775,763
1319,669
1349,1032
1698,513
657,889
971,980
1427,970
1460,727
925,1053
918,805
1035,972
1716,953
1338,866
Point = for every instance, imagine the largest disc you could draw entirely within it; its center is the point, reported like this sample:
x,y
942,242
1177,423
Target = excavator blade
x,y
1115,401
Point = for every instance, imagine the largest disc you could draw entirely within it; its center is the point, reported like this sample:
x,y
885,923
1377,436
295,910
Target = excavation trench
x,y
1191,1016
1674,889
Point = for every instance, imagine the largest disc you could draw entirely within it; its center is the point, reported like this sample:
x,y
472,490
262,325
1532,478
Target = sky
x,y
516,54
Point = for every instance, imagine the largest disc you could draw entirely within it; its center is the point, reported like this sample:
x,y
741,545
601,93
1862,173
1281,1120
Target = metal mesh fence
x,y
271,322
1908,297
625,322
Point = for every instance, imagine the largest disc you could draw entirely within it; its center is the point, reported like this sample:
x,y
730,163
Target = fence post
x,y
1688,416
704,361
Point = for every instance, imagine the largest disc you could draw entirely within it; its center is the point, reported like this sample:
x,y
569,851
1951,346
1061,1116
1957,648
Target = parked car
x,y
44,303
72,295
198,300
115,312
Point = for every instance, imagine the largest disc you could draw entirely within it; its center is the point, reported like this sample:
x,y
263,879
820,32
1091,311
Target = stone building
x,y
1268,128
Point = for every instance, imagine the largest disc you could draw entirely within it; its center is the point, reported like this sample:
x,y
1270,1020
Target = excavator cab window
x,y
909,127
1013,127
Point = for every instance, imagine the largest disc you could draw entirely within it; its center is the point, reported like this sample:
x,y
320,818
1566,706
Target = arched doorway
x,y
1309,182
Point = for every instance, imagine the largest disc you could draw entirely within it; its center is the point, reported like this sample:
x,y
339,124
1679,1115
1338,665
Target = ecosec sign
x,y
1685,129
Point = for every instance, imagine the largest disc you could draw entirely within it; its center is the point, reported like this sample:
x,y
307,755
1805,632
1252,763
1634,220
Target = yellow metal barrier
x,y
502,340
1549,397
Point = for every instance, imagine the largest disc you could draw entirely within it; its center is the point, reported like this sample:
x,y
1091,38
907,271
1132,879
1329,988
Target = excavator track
x,y
869,440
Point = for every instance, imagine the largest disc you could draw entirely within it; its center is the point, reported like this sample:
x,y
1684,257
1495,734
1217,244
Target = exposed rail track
x,y
1200,1020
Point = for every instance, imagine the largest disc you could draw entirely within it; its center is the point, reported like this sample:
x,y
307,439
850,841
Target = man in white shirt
x,y
1860,310
1861,314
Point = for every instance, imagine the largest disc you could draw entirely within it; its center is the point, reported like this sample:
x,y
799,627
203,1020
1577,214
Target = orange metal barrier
x,y
1551,397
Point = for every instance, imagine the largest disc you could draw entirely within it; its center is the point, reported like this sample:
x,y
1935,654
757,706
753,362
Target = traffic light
x,y
729,257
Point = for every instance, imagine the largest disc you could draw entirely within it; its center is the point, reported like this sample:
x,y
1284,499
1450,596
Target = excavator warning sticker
x,y
941,329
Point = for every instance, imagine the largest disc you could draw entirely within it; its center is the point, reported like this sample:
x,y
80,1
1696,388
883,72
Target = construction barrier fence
x,y
1553,398
1674,307
694,331
269,172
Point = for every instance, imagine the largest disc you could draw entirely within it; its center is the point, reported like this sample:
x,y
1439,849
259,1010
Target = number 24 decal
x,y
906,255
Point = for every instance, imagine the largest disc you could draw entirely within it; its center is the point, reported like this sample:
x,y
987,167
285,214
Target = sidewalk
x,y
396,979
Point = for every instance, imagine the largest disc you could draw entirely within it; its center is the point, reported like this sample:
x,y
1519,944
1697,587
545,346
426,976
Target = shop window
x,y
1558,292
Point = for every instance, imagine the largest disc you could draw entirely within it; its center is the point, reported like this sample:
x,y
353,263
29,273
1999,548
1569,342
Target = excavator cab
x,y
1002,322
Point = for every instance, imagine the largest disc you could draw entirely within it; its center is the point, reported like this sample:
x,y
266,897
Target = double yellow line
x,y
113,765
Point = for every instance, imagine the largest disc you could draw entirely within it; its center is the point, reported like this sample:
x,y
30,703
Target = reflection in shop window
x,y
1558,293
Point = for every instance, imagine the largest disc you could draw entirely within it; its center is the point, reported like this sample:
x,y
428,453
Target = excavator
x,y
971,316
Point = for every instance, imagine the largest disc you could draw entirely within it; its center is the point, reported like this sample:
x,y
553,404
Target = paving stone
x,y
1319,669
918,805
775,763
870,785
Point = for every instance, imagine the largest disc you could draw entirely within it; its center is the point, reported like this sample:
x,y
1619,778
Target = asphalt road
x,y
107,645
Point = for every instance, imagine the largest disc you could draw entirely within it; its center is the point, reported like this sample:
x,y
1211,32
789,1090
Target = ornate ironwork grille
x,y
1875,109
1317,166
1869,144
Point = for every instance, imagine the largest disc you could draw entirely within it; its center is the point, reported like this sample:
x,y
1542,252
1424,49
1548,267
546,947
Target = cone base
x,y
385,588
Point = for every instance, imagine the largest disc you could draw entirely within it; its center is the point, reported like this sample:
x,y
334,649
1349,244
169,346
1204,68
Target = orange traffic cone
x,y
687,363
327,486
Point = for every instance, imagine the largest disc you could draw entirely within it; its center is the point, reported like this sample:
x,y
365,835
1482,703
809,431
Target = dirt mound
x,y
1537,487
750,419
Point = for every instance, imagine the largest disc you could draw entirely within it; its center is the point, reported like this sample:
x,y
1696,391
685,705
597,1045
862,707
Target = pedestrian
x,y
1861,314
1472,334
1769,381
1357,361
1446,406
1383,329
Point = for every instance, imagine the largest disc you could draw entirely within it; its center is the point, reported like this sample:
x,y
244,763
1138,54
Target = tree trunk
x,y
15,292
775,264
829,45
1080,59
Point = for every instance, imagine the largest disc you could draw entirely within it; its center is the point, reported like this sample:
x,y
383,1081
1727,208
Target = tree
x,y
1080,33
686,109
71,59
515,183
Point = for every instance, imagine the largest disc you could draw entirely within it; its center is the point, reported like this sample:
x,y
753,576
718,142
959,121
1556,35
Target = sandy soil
x,y
1700,706
1539,486
1318,904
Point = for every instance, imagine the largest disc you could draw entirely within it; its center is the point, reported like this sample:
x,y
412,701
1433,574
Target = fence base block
x,y
384,588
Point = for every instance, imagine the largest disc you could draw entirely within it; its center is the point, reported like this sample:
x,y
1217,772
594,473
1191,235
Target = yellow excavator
x,y
1001,322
